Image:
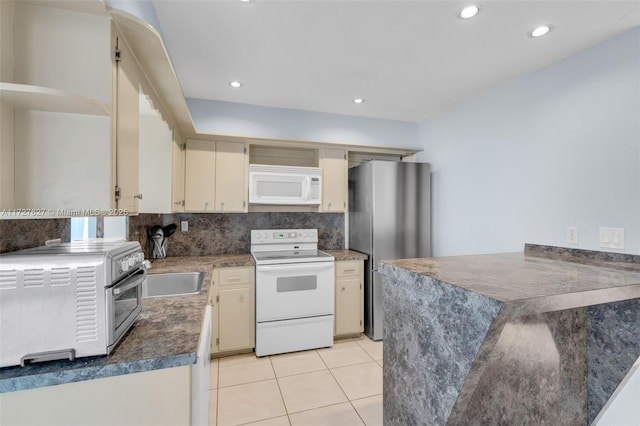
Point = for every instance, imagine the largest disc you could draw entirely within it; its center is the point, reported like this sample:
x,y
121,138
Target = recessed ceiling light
x,y
540,31
246,1
469,12
235,84
358,100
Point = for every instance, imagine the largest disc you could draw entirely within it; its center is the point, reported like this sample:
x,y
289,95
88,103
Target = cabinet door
x,y
236,319
348,306
178,166
200,175
334,180
127,128
156,150
214,301
231,177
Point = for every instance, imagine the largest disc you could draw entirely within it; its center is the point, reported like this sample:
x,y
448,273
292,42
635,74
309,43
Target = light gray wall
x,y
558,147
230,118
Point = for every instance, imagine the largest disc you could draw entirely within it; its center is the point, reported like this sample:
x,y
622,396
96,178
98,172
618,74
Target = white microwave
x,y
284,185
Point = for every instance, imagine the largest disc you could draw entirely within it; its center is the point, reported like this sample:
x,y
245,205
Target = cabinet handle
x,y
233,279
138,196
242,297
343,288
348,270
206,205
221,206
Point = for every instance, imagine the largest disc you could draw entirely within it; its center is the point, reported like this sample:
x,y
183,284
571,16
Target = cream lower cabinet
x,y
349,309
158,397
232,298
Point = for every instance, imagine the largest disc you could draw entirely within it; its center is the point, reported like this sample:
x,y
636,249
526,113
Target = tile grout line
x,y
345,394
280,390
348,399
357,399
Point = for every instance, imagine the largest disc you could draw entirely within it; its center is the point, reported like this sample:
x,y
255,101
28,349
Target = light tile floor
x,y
338,386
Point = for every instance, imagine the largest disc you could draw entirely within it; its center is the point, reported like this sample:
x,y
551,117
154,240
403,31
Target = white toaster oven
x,y
69,300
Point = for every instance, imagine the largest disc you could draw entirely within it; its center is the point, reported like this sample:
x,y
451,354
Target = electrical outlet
x,y
572,235
612,238
184,226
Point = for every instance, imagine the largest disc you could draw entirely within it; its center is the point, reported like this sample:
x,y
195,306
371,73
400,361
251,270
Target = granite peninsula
x,y
543,336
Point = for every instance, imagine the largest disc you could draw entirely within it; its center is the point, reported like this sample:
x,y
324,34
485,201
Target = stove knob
x,y
124,265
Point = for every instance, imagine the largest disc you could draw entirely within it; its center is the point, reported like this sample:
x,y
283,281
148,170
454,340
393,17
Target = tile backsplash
x,y
18,234
209,233
230,233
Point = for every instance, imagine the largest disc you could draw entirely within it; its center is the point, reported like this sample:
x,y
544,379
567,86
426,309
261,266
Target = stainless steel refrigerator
x,y
389,218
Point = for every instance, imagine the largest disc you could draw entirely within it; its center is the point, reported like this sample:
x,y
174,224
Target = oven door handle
x,y
131,282
296,266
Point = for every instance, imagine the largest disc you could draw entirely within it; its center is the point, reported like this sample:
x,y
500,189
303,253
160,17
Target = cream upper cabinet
x,y
349,294
231,177
56,80
334,179
200,174
232,298
178,172
216,176
156,160
127,125
69,86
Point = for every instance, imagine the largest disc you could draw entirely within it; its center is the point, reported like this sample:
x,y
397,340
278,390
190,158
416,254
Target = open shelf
x,y
39,98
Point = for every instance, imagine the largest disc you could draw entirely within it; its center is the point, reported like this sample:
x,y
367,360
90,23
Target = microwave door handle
x,y
306,184
121,288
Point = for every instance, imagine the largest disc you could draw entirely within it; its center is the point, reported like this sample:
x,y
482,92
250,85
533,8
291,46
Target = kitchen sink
x,y
172,284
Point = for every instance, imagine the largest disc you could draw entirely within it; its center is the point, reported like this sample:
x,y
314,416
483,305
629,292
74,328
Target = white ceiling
x,y
408,59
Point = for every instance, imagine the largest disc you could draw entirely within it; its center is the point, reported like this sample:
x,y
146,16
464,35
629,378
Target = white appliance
x,y
294,291
63,301
284,185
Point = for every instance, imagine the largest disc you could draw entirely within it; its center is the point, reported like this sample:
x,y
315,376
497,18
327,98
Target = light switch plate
x,y
612,238
572,235
184,226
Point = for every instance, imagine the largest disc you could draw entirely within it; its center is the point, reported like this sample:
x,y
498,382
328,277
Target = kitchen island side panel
x,y
613,345
534,374
431,341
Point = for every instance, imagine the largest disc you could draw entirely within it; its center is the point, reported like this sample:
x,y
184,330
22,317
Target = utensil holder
x,y
157,248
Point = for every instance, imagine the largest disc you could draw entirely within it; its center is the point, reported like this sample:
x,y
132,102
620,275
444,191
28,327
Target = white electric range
x,y
294,291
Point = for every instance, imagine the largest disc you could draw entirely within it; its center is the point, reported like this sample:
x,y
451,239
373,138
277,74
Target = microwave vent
x,y
8,279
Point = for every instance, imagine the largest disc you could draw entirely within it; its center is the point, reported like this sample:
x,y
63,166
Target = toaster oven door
x,y
124,304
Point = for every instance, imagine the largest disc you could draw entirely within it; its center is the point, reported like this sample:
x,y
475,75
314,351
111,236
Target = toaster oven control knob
x,y
124,265
140,257
132,261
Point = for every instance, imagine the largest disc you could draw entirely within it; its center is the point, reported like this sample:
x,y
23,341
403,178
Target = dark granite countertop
x,y
341,255
531,282
187,263
540,337
165,335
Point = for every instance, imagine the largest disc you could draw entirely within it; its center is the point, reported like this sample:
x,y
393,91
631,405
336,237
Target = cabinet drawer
x,y
234,276
348,268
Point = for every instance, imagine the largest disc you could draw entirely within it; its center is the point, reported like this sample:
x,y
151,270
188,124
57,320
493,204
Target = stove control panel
x,y
275,236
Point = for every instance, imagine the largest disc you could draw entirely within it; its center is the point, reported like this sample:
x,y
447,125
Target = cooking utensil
x,y
169,230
